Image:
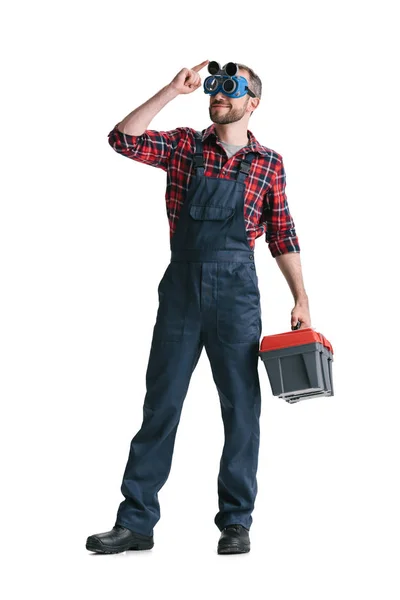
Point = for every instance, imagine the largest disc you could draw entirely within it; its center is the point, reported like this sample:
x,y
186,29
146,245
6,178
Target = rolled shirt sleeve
x,y
152,147
280,233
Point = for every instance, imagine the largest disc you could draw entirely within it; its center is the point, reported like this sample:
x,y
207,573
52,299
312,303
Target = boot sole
x,y
100,548
233,549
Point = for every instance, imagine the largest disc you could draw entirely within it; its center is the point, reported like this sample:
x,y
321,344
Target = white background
x,y
84,241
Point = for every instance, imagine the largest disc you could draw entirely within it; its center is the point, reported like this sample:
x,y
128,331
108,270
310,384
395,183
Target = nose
x,y
220,98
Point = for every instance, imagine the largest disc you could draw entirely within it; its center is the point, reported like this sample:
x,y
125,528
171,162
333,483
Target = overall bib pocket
x,y
201,212
210,226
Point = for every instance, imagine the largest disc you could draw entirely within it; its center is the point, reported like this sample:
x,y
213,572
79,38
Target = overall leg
x,y
170,368
234,369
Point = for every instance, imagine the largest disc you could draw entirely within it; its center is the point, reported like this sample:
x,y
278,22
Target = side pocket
x,y
238,304
170,320
252,276
163,278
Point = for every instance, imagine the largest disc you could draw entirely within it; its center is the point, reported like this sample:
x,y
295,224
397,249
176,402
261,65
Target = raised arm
x,y
130,137
185,82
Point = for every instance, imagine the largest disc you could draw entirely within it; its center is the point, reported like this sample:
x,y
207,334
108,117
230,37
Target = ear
x,y
253,103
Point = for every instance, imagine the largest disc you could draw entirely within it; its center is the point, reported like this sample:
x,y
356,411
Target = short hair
x,y
255,84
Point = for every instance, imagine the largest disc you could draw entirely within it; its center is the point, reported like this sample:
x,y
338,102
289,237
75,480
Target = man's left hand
x,y
301,313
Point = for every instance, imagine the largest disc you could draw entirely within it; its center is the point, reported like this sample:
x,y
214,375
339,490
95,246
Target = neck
x,y
232,133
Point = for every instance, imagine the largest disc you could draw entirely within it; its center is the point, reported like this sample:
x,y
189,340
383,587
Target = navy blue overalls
x,y
208,296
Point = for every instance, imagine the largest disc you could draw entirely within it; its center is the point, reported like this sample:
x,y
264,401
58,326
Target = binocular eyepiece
x,y
229,70
226,80
223,76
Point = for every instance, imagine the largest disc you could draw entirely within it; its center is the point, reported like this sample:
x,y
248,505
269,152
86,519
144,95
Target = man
x,y
224,190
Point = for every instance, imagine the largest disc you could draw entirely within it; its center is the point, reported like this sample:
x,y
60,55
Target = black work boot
x,y
117,540
234,540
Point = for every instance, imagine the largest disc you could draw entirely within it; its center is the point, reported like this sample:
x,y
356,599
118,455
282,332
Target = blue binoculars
x,y
226,81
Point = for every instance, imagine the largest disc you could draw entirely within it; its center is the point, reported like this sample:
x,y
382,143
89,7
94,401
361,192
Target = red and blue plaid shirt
x,y
265,206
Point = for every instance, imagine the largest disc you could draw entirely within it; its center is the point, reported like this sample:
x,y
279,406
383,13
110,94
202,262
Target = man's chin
x,y
216,120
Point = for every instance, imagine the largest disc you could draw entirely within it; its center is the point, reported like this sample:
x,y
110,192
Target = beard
x,y
226,115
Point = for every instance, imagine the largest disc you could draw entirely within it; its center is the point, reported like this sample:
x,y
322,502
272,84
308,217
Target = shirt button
x,y
251,256
252,267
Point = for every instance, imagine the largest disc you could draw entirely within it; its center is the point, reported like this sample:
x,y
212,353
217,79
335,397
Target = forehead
x,y
243,73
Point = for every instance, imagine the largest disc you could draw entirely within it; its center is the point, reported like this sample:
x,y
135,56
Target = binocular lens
x,y
213,67
211,83
231,69
228,86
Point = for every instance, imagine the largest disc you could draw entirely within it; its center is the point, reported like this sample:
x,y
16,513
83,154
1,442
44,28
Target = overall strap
x,y
245,166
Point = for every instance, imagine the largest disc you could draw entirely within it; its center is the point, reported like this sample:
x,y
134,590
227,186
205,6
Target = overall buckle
x,y
245,167
198,160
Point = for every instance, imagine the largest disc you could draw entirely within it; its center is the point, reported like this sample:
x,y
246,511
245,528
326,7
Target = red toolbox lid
x,y
296,337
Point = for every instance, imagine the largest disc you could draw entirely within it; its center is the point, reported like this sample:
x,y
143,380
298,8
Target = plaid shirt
x,y
265,204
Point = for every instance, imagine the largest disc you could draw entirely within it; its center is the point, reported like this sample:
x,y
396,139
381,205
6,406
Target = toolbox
x,y
298,364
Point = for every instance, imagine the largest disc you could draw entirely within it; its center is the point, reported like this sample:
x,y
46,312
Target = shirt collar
x,y
253,144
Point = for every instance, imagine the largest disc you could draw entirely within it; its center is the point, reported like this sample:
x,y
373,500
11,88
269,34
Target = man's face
x,y
224,110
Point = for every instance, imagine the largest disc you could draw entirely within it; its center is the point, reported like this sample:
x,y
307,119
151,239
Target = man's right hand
x,y
187,80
